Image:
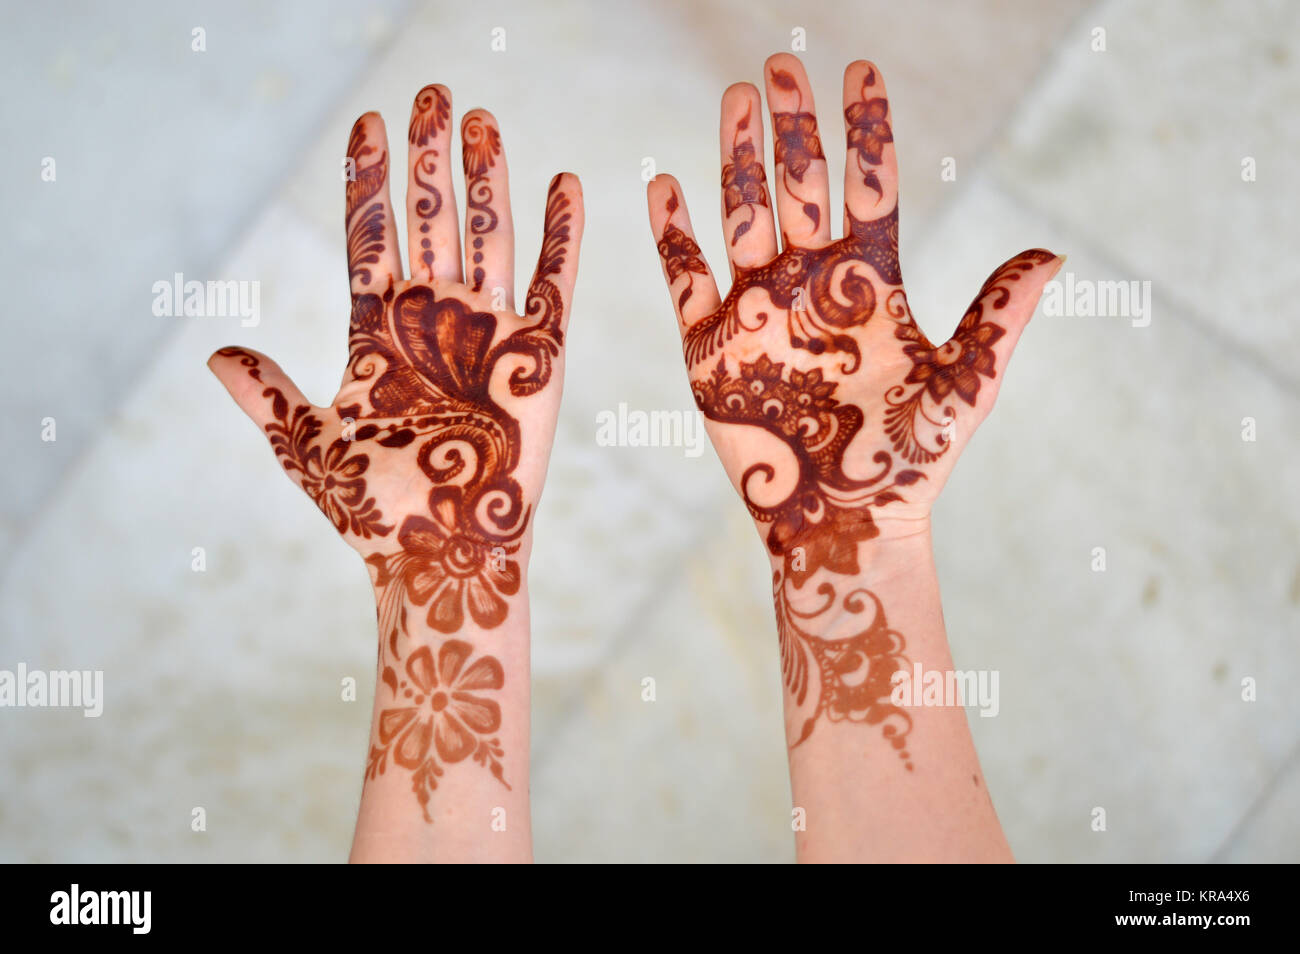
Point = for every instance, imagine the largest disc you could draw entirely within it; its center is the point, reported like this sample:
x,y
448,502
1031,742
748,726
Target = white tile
x,y
699,774
161,156
1139,150
223,687
1119,689
1269,833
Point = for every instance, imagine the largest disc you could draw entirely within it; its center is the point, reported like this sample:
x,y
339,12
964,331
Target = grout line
x,y
1261,800
985,147
1193,318
662,582
148,357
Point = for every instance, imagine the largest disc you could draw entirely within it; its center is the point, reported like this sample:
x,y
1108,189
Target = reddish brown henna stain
x,y
330,475
445,720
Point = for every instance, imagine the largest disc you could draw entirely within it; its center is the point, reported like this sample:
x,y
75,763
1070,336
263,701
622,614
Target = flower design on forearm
x,y
448,719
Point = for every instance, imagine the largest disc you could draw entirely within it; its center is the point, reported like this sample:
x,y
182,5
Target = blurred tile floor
x,y
1121,689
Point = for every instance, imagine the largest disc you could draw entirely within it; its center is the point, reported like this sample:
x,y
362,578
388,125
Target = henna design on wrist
x,y
744,181
428,364
430,116
795,142
482,145
817,528
446,722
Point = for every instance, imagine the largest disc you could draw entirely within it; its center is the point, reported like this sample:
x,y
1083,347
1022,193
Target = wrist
x,y
862,549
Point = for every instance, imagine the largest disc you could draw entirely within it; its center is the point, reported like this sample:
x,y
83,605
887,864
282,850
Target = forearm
x,y
878,781
447,763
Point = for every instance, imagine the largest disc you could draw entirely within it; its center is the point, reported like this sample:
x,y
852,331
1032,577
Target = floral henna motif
x,y
332,478
744,182
796,143
449,570
482,145
430,116
868,132
446,720
681,255
923,400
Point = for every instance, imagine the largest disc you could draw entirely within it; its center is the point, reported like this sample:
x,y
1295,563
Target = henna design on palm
x,y
816,346
418,462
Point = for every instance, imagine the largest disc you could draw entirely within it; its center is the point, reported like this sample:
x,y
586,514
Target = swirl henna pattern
x,y
420,392
482,146
429,118
812,347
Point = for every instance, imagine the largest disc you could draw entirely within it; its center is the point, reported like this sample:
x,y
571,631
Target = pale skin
x,y
478,811
854,795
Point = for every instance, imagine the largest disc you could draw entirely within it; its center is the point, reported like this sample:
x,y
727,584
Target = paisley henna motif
x,y
834,299
817,529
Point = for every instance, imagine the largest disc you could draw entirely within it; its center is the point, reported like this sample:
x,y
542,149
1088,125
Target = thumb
x,y
257,384
982,345
1008,298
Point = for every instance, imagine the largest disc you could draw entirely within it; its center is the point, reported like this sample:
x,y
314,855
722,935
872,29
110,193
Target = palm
x,y
430,460
831,410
